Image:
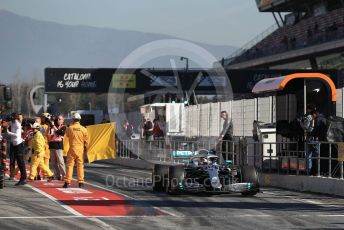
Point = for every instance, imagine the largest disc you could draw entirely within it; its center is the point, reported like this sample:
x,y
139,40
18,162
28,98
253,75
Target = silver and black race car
x,y
204,174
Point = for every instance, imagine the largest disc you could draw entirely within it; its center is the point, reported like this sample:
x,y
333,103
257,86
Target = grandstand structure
x,y
309,34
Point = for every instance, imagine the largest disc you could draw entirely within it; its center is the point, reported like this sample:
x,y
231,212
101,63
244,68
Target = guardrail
x,y
294,158
324,159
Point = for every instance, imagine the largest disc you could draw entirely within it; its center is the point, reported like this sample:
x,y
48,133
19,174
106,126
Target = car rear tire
x,y
176,175
250,174
160,178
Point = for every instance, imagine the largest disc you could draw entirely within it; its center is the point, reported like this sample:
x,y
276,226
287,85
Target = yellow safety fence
x,y
101,142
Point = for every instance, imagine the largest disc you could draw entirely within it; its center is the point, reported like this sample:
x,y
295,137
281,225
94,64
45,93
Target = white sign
x,y
75,80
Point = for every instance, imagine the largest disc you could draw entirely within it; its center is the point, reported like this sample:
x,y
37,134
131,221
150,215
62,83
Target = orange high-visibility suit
x,y
37,160
47,151
77,136
46,158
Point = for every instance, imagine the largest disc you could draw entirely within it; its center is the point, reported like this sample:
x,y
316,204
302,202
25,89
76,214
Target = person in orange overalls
x,y
45,129
37,160
46,126
77,136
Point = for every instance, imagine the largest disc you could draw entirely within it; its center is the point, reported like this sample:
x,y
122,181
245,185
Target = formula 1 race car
x,y
204,174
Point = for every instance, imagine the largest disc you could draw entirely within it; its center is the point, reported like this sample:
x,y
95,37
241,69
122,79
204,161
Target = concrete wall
x,y
304,183
237,117
204,119
249,116
214,119
264,109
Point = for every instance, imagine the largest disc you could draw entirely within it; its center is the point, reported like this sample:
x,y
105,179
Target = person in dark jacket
x,y
127,129
318,134
157,130
17,145
319,129
57,131
147,129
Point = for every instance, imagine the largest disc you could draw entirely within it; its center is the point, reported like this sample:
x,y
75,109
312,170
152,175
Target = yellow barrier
x,y
101,142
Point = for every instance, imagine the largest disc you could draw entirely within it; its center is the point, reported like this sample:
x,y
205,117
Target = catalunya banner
x,y
101,142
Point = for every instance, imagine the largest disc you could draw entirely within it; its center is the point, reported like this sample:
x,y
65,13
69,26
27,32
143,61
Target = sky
x,y
218,22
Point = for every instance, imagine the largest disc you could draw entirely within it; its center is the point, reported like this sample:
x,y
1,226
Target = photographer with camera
x,y
57,132
318,134
17,146
307,122
313,124
13,169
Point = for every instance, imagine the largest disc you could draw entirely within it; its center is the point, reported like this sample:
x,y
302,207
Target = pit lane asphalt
x,y
272,209
24,208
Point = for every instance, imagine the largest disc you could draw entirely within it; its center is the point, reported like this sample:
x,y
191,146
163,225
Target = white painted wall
x,y
204,120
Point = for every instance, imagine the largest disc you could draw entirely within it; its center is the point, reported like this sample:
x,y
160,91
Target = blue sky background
x,y
221,22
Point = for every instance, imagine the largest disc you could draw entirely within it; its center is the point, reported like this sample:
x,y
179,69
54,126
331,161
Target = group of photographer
x,y
52,129
41,141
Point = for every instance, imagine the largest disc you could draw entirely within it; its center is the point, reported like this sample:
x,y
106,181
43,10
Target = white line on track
x,y
302,200
76,214
184,216
102,224
308,201
71,210
329,215
132,198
